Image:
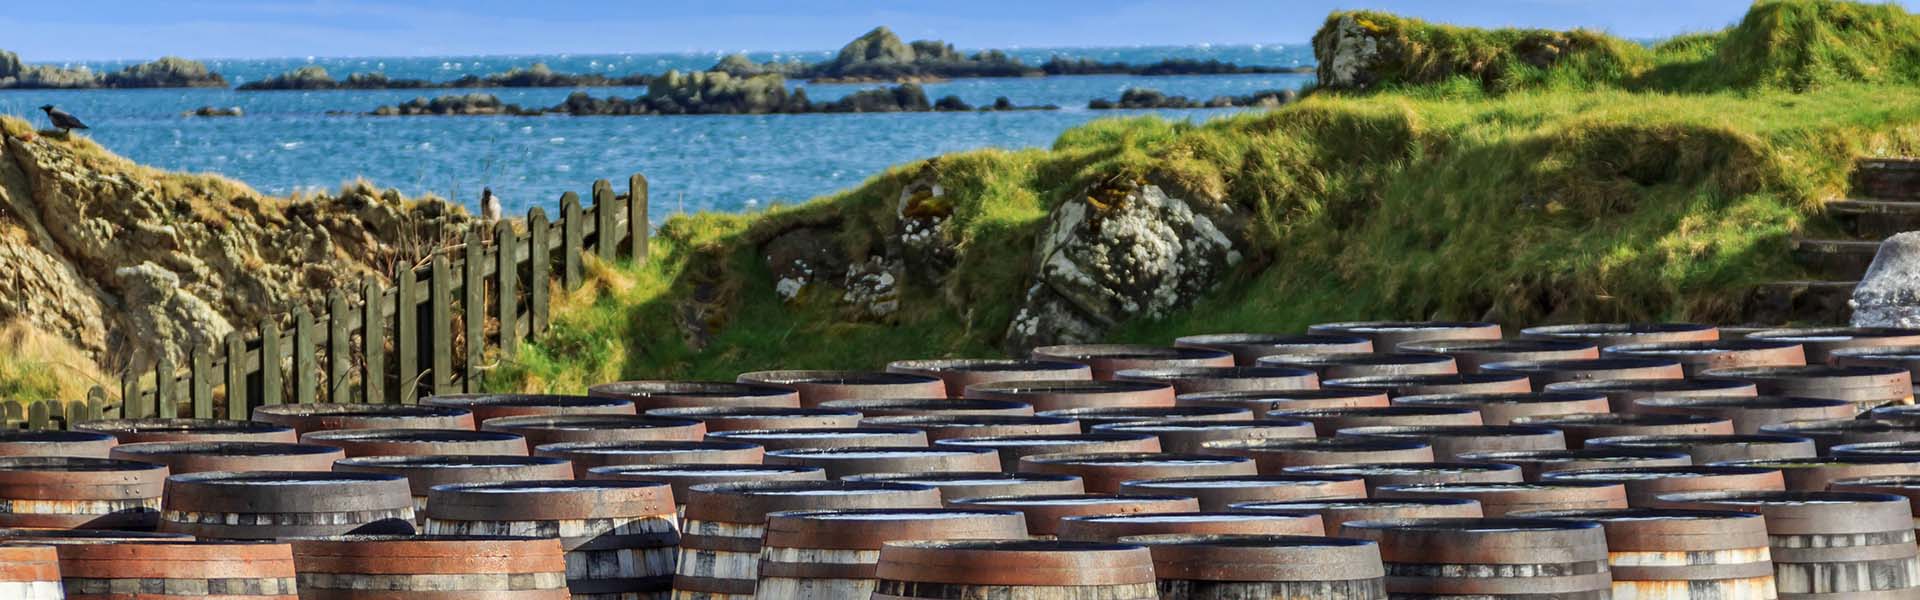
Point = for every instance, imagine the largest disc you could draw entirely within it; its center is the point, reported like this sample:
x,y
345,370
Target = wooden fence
x,y
386,344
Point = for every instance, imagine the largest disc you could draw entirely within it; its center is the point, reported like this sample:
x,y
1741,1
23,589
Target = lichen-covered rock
x,y
872,287
925,244
154,309
1348,51
1889,294
1047,318
167,72
802,257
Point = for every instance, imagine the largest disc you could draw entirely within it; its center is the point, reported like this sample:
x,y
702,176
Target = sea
x,y
288,142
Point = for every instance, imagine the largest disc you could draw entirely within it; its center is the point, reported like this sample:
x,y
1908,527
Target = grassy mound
x,y
1412,52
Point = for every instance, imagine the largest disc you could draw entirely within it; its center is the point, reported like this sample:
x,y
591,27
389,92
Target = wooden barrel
x,y
1109,528
1498,499
1623,393
975,484
1839,432
1490,557
832,554
424,472
1334,512
926,407
1451,441
1646,484
1188,380
958,373
1235,567
1275,455
1876,449
1822,342
684,477
200,457
1328,421
1749,413
969,569
543,430
1045,395
1263,402
1673,554
1250,347
849,437
1829,544
1107,359
841,462
308,418
1582,427
1012,448
821,386
54,442
67,493
430,567
1191,436
165,570
1615,334
587,455
1218,492
267,505
946,427
726,522
1698,358
134,431
1535,463
619,536
1865,387
1471,355
1376,475
1816,473
1103,472
56,537
29,572
1044,513
649,395
1899,413
495,406
749,417
1502,409
1544,372
418,442
1906,486
1391,334
1708,449
1415,385
1092,417
1349,365
1900,357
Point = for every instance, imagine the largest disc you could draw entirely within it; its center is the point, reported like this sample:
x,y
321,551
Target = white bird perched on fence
x,y
489,205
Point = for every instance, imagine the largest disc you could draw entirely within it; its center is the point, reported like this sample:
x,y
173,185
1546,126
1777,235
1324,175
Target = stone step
x,y
1800,302
1837,259
1875,219
1887,178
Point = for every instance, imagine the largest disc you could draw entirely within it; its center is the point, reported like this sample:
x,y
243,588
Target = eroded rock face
x,y
923,210
802,257
1349,52
1889,295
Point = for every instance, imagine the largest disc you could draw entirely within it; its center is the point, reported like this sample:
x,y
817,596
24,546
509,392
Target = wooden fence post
x,y
571,240
637,225
163,387
440,294
473,307
406,334
339,349
306,388
38,414
605,237
236,377
507,272
373,333
129,394
76,411
200,382
272,390
539,269
96,403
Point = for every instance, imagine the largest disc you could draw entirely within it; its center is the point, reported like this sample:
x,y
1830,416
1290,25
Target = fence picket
x,y
129,394
37,415
473,308
637,226
539,269
339,349
200,381
306,387
506,294
571,240
373,333
236,377
440,343
76,412
272,390
406,336
96,403
605,237
163,395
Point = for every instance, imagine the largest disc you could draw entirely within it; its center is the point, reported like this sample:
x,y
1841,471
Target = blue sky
x,y
108,29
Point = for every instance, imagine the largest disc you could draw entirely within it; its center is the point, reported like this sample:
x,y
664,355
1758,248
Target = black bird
x,y
61,119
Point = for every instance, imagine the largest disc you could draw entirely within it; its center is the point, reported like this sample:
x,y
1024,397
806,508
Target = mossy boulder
x,y
1359,50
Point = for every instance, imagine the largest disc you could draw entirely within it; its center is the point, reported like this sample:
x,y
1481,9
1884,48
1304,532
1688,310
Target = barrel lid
x,y
870,528
73,464
585,422
1611,330
287,491
450,461
1352,503
1334,444
1698,348
1132,458
1738,402
1471,400
1041,440
51,436
524,400
178,425
1907,448
1354,358
551,499
1066,386
1079,352
835,377
1691,384
406,436
86,536
360,410
1396,381
865,405
749,412
1691,439
957,421
644,447
1180,373
1411,468
988,365
875,452
1515,345
1796,512
751,501
1616,419
1177,425
1372,411
224,448
963,477
1149,412
1442,431
1070,499
1280,340
1396,326
813,433
1241,557
1016,563
685,389
1241,481
1804,372
1324,393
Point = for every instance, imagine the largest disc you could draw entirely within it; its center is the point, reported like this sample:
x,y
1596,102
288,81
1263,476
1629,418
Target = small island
x,y
167,72
706,93
314,77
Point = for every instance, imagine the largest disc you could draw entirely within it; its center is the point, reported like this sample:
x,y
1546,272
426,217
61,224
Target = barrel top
x,y
963,477
1178,373
98,536
891,514
1835,426
1686,439
1498,487
1817,462
418,537
986,365
834,377
51,436
278,478
1515,345
360,410
1616,419
1169,459
1333,444
179,425
1806,372
1597,330
1243,481
1171,425
523,400
1324,393
1372,411
750,412
1499,398
1905,448
1147,412
1832,334
1470,525
1903,482
948,404
1647,473
645,447
1125,351
1350,503
1608,515
1589,453
1411,468
1429,379
701,470
813,433
1700,347
1781,498
807,488
1046,439
73,464
1396,326
1269,339
965,420
1189,517
873,452
225,448
424,436
586,422
1581,364
1738,402
449,461
1069,386
686,389
1691,384
552,486
1355,359
1426,431
1069,499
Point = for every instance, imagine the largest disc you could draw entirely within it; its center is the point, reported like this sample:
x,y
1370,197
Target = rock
x,y
879,55
214,111
801,257
155,310
738,65
538,75
902,98
952,103
1349,52
458,104
1889,294
872,287
1141,98
167,72
924,242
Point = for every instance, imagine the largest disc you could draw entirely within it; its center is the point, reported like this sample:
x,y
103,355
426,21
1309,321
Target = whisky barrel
x,y
1190,380
1498,499
1545,372
1263,402
1236,567
543,430
1109,528
1535,463
649,395
975,484
1335,512
267,505
1328,421
1502,409
1866,387
165,570
841,462
1451,441
927,407
1816,473
1191,436
430,567
495,406
29,572
133,431
946,427
1697,358
1391,334
1045,513
1012,448
754,417
1708,449
1329,367
1899,413
1822,342
587,455
849,437
418,442
1876,449
1902,357
54,442
1623,393
1273,455
1906,486
1107,359
1673,554
619,536
821,386
1829,544
1749,413
1250,347
967,569
1092,417
1376,475
958,373
1220,491
1045,395
1615,334
1839,432
424,472
91,493
832,554
684,477
1490,557
1582,427
1646,484
726,522
1470,355
1415,385
56,537
199,457
1103,472
308,418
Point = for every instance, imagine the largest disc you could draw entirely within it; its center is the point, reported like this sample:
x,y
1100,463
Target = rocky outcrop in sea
x,y
539,75
167,72
460,104
706,93
1145,98
1060,65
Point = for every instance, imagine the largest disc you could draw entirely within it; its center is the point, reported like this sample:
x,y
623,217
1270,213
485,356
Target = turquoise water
x,y
287,142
